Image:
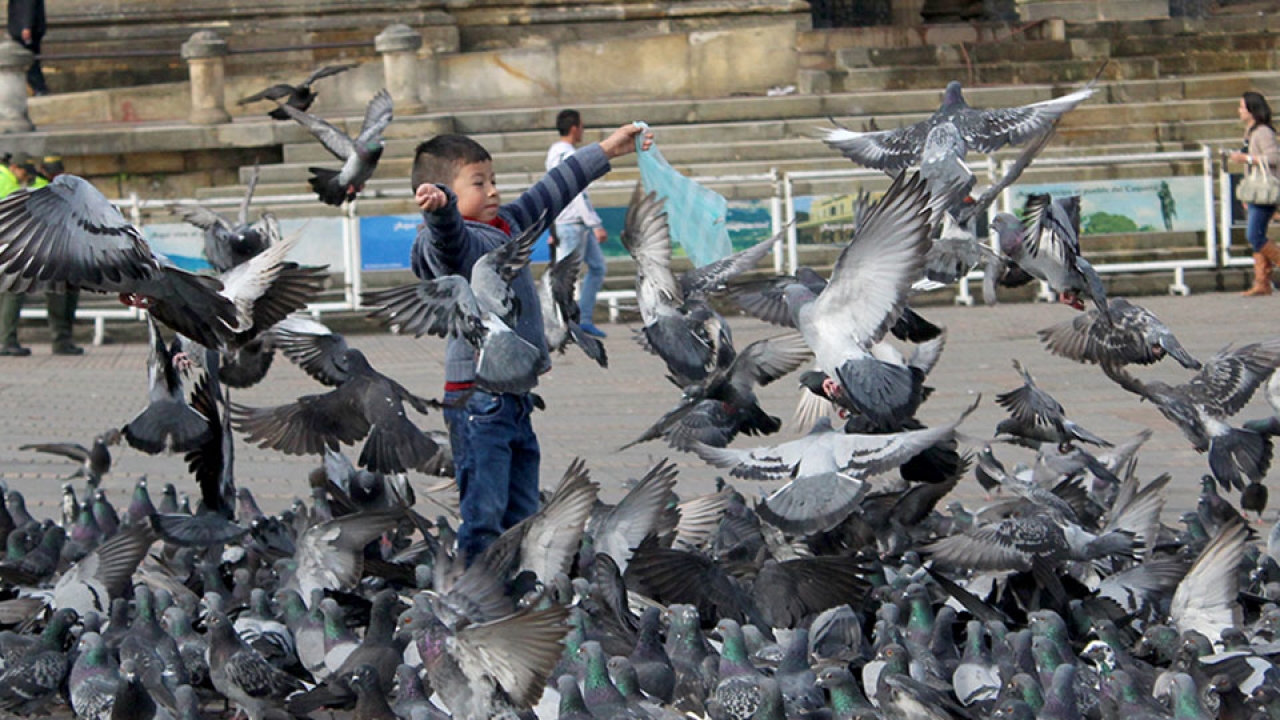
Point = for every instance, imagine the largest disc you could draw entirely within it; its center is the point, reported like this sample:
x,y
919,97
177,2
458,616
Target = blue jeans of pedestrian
x,y
1259,219
572,235
496,458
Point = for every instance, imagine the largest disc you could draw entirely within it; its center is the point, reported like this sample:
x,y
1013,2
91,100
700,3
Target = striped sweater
x,y
448,245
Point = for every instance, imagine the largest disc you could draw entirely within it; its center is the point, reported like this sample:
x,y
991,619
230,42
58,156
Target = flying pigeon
x,y
359,155
1046,244
1201,407
226,244
1134,336
298,97
68,235
481,311
365,403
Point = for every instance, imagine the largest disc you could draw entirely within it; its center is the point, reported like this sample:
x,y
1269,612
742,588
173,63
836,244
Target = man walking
x,y
579,225
26,27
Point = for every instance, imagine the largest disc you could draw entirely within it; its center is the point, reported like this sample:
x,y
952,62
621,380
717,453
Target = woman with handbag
x,y
1260,188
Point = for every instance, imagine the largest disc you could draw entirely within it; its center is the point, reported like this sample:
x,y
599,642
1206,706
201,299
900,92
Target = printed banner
x,y
1173,204
320,242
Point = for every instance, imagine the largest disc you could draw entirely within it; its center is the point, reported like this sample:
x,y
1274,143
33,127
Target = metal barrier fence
x,y
778,188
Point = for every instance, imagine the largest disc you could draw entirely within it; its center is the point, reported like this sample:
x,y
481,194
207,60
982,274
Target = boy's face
x,y
477,190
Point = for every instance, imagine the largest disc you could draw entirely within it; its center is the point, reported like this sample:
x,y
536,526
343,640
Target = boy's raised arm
x,y
565,181
444,243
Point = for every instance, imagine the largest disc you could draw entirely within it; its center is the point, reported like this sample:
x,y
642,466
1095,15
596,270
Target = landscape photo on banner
x,y
1169,204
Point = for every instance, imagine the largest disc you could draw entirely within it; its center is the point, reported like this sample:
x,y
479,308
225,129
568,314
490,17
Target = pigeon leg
x,y
832,388
182,362
1071,299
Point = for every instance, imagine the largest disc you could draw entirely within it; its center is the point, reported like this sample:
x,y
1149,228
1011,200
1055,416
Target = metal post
x,y
775,219
351,238
1222,255
1210,235
789,211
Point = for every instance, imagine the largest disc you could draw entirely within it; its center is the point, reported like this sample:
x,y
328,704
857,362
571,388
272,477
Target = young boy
x,y
495,451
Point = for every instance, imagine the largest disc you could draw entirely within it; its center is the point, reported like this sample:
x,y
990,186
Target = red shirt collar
x,y
497,222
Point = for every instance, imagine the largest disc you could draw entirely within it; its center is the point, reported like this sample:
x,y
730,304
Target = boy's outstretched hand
x,y
430,198
622,140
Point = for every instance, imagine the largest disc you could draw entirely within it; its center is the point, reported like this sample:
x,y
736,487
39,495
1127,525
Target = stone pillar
x,y
398,44
206,54
14,61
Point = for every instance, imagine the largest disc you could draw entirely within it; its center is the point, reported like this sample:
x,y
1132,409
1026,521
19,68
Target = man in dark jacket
x,y
27,26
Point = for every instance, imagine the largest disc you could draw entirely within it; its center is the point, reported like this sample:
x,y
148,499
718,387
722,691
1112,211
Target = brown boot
x,y
1261,277
1271,252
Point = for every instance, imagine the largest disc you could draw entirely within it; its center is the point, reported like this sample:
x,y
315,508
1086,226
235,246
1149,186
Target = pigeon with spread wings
x,y
1201,407
680,326
845,320
1046,244
481,311
364,403
68,235
226,244
298,97
359,154
1135,336
939,143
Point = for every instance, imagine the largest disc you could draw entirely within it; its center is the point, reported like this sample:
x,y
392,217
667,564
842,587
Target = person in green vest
x,y
16,172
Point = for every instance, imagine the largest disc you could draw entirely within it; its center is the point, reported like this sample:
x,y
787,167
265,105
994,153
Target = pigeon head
x,y
363,679
953,94
1008,229
834,676
1100,654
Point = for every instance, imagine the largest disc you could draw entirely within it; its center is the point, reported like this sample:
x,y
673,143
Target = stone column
x,y
398,44
14,61
206,54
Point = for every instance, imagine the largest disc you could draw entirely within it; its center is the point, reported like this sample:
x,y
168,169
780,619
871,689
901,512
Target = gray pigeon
x,y
95,461
825,450
1201,407
1134,336
68,235
1046,244
243,676
227,245
366,404
94,679
561,316
168,423
298,97
482,312
1035,417
680,326
359,155
939,144
845,322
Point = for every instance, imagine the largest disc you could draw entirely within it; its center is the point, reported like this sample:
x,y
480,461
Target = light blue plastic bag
x,y
695,214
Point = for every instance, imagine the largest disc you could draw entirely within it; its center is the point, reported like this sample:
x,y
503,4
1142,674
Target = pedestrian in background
x,y
26,27
1259,147
579,225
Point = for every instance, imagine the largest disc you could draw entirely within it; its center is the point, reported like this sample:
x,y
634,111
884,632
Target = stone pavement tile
x,y
592,412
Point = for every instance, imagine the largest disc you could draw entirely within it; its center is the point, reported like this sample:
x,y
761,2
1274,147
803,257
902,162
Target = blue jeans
x,y
1259,218
572,235
496,457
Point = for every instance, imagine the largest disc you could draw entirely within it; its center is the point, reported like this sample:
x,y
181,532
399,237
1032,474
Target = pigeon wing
x,y
712,276
319,351
1205,600
377,116
888,150
868,286
68,234
519,651
333,139
1227,382
307,426
442,307
987,131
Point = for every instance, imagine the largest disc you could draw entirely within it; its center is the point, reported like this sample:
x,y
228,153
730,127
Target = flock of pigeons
x,y
1066,597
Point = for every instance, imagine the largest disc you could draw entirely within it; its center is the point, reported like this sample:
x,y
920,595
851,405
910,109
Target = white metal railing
x,y
780,191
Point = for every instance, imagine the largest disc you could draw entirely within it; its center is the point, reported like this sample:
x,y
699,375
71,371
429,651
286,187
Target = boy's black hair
x,y
438,160
567,120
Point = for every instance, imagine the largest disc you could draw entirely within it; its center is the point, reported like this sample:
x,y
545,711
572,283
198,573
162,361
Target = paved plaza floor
x,y
591,412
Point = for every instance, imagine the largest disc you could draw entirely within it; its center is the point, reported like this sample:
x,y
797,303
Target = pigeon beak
x,y
1179,353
